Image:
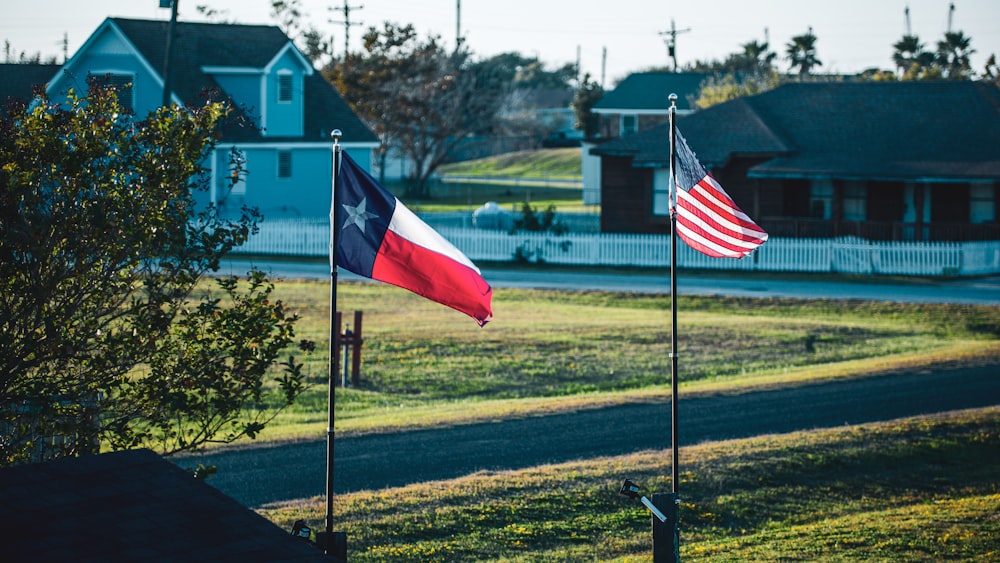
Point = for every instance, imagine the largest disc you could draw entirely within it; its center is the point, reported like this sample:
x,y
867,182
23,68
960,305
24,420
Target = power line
x,y
347,23
670,38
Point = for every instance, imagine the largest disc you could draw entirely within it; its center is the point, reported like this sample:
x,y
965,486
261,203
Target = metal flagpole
x,y
328,544
673,288
673,530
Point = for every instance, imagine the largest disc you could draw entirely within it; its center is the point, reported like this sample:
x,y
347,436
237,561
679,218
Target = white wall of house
x,y
590,166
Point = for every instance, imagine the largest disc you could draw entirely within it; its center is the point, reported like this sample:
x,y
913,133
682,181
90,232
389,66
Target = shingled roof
x,y
131,506
198,45
647,92
944,131
18,80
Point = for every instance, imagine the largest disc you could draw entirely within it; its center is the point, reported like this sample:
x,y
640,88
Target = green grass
x,y
545,163
920,489
549,351
520,169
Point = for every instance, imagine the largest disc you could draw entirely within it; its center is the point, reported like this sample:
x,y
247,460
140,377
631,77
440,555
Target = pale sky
x,y
852,35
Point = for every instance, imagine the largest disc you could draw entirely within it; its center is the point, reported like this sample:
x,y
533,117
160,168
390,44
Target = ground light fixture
x,y
631,490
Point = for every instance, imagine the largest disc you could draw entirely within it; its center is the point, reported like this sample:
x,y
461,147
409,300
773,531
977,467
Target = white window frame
x,y
821,194
982,203
661,192
855,200
629,124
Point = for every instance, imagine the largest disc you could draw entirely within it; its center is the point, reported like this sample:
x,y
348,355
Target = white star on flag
x,y
358,215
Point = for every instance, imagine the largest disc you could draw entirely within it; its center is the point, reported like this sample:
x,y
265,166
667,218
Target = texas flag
x,y
379,238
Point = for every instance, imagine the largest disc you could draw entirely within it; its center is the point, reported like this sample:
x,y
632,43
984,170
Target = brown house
x,y
641,102
876,160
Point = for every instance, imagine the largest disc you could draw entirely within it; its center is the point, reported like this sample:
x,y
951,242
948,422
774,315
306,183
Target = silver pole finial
x,y
335,135
673,99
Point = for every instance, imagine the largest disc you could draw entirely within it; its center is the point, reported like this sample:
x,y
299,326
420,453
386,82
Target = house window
x,y
661,191
855,201
629,124
821,199
285,88
284,164
121,84
982,203
235,180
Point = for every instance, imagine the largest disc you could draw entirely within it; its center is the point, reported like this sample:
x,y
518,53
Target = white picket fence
x,y
849,255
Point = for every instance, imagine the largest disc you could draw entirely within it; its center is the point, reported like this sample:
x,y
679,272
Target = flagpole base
x,y
666,535
333,544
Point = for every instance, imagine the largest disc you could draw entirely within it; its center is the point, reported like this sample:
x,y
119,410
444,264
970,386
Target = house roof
x,y
647,92
200,45
131,506
18,80
928,131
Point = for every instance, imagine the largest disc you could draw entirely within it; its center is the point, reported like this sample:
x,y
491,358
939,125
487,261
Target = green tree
x,y
717,89
107,335
911,59
991,71
419,97
586,97
801,53
758,56
953,53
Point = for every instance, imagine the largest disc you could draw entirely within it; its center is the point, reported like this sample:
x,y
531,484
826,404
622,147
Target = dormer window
x,y
285,88
121,84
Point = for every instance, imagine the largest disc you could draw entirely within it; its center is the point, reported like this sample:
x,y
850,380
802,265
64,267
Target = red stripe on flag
x,y
434,276
711,195
712,224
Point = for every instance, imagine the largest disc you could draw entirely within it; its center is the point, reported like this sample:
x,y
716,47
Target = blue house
x,y
286,107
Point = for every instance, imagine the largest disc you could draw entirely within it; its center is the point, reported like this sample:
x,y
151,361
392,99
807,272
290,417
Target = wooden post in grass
x,y
351,339
356,342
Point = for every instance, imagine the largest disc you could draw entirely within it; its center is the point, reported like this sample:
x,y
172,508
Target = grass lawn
x,y
921,489
546,351
545,163
521,171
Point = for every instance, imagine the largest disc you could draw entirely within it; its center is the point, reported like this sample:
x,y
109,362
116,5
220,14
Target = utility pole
x,y
347,24
951,12
458,25
670,38
172,4
906,20
604,64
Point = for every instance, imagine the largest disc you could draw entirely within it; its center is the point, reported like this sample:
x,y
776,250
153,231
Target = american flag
x,y
707,218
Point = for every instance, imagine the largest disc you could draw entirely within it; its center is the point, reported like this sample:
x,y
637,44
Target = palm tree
x,y
759,55
907,50
953,55
912,60
801,53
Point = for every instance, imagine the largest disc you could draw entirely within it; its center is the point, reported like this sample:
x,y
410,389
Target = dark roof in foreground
x,y
894,131
131,506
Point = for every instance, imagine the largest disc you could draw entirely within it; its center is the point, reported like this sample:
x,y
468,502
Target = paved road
x,y
975,291
289,471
